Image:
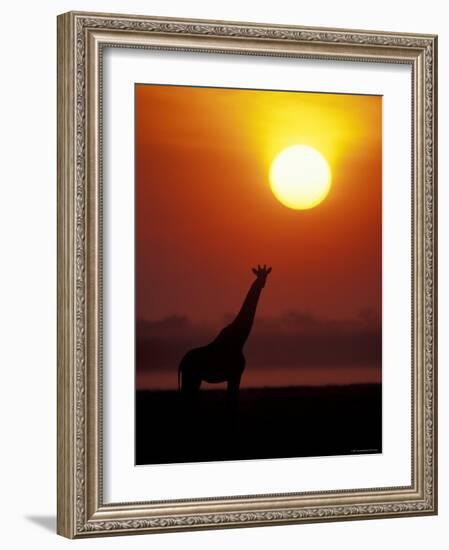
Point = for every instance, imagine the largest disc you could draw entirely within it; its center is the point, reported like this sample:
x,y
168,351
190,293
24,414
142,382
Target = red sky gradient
x,y
205,214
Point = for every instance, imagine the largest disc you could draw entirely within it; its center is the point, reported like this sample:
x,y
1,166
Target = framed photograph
x,y
247,282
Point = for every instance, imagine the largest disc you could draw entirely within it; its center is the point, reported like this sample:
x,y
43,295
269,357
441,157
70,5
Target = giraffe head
x,y
262,273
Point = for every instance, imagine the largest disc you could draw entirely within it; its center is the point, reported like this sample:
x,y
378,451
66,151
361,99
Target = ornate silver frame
x,y
81,510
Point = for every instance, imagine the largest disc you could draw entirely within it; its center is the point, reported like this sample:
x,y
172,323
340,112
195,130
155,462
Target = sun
x,y
300,177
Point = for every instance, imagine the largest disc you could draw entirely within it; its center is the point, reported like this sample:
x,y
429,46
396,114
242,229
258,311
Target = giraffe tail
x,y
179,375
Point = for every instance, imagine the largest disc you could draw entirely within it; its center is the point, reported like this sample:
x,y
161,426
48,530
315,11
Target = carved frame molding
x,y
81,39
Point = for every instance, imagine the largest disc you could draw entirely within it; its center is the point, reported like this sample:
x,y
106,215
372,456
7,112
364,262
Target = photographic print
x,y
258,274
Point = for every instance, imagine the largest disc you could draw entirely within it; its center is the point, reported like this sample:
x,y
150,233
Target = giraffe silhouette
x,y
222,360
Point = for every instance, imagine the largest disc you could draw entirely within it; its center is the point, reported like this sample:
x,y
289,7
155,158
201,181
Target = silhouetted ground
x,y
270,423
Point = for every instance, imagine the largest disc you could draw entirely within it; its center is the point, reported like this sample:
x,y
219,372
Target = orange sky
x,y
205,212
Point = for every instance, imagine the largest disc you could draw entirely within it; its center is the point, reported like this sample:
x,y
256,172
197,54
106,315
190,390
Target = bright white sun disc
x,y
300,177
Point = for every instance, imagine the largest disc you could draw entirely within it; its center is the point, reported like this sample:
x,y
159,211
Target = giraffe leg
x,y
232,398
188,401
190,385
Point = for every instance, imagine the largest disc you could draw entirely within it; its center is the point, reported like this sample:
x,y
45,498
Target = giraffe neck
x,y
239,330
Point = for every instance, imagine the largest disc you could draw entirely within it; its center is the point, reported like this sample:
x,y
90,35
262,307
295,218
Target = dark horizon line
x,y
258,388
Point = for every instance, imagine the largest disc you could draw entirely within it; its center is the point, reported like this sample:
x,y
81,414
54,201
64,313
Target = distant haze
x,y
295,349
